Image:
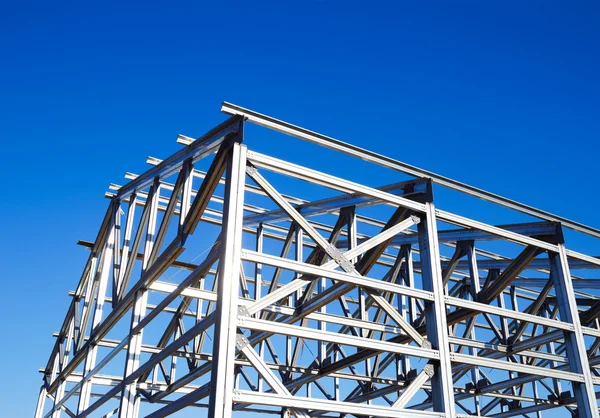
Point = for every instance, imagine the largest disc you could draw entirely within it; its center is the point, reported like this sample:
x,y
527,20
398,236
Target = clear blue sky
x,y
503,95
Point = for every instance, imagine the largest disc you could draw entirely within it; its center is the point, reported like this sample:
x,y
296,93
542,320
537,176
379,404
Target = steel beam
x,y
575,344
435,313
222,374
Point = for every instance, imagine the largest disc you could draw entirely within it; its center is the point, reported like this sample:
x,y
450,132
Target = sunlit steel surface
x,y
370,302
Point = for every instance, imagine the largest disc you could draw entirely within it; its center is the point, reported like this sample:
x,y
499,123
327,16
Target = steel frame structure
x,y
309,307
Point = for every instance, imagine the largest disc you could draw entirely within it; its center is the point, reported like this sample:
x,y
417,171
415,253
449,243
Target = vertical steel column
x,y
222,373
260,232
130,401
515,307
575,344
436,325
474,287
295,298
409,306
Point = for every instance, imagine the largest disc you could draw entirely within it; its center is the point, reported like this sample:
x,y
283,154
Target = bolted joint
x,y
333,252
251,170
429,370
236,395
241,341
427,344
243,311
339,258
415,219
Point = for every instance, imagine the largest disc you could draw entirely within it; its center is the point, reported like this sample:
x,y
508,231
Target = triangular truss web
x,y
235,282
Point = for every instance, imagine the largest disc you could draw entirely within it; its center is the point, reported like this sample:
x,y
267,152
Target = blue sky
x,y
499,94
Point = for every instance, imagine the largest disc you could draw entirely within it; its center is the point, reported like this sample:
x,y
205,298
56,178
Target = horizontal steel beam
x,y
532,229
540,283
507,313
246,322
309,269
336,183
242,396
408,189
365,155
536,264
515,367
